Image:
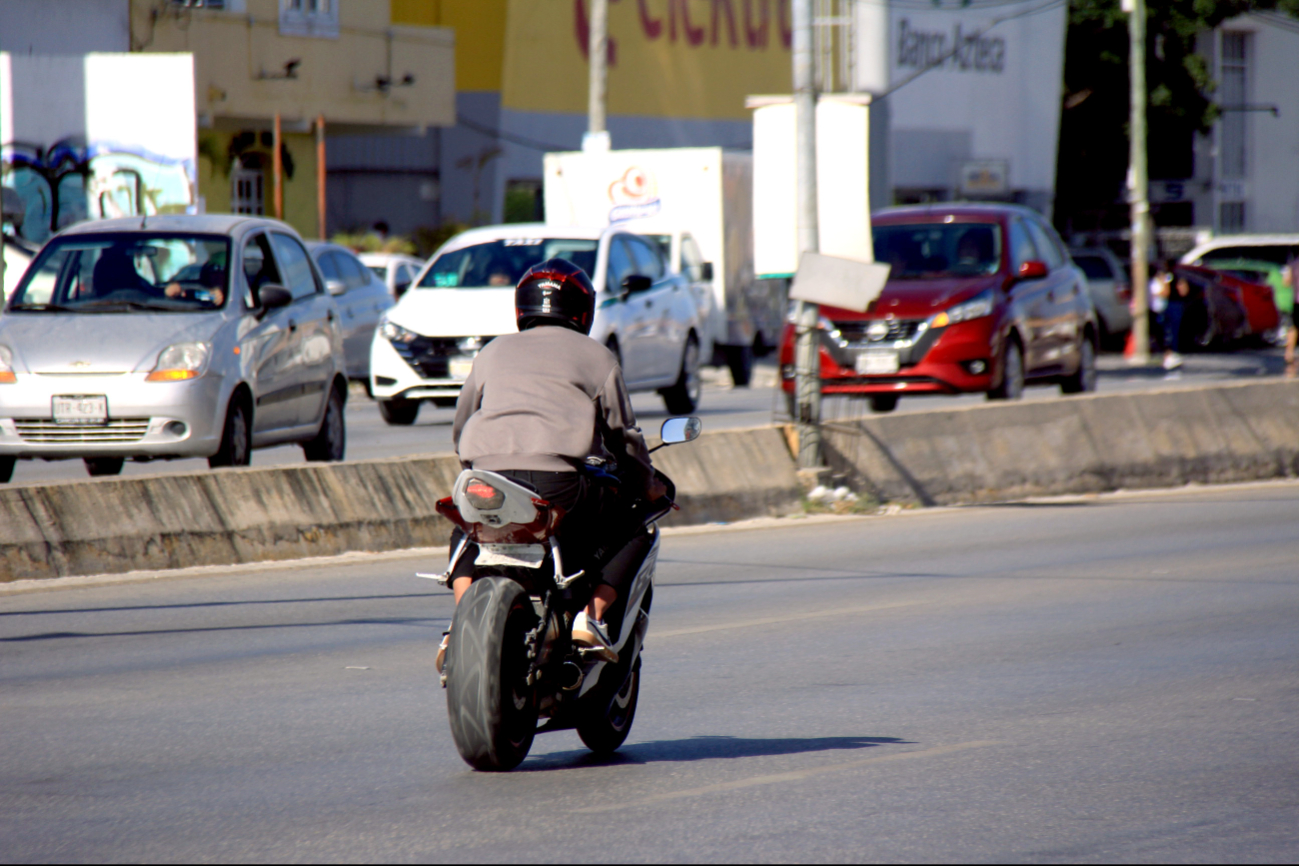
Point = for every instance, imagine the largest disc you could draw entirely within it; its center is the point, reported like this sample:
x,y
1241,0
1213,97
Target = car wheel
x,y
331,442
884,402
101,466
683,397
1012,376
1083,381
7,469
236,438
401,413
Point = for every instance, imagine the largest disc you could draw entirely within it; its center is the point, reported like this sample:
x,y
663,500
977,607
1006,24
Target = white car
x,y
396,270
647,315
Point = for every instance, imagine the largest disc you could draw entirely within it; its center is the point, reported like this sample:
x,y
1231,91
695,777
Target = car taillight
x,y
483,495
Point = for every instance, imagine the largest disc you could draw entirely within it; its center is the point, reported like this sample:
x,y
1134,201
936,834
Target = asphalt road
x,y
1103,679
721,408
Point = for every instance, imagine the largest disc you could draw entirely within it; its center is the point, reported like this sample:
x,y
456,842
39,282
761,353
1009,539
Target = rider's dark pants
x,y
594,522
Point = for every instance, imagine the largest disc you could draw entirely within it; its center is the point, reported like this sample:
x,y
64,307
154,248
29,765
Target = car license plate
x,y
460,368
80,410
525,555
877,363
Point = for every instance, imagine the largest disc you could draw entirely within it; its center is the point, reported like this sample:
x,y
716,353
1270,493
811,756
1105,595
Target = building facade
x,y
1247,168
337,68
679,72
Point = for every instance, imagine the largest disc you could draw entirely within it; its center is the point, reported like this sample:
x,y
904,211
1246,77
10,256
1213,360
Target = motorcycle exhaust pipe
x,y
570,676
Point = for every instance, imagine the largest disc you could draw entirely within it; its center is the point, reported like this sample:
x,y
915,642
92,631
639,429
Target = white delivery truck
x,y
697,202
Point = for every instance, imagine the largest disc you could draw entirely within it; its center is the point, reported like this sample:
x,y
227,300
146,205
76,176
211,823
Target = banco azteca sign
x,y
961,50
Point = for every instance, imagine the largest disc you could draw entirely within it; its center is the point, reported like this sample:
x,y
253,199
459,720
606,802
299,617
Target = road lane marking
x,y
792,776
772,620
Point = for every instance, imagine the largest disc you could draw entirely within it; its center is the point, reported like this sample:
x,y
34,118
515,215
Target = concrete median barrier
x,y
1083,444
252,515
974,454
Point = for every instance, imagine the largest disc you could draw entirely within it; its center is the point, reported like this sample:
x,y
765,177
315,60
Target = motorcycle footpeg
x,y
597,654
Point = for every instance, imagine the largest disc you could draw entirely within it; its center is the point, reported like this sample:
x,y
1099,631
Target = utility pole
x,y
807,353
597,133
1138,182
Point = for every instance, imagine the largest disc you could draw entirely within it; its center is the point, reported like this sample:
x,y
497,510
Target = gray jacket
x,y
545,400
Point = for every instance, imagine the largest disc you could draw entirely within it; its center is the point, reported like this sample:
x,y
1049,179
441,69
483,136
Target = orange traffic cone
x,y
1130,347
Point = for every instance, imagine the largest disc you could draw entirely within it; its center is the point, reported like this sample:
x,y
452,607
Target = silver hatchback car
x,y
168,337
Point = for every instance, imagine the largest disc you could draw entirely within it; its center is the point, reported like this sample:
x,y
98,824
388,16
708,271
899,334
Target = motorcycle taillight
x,y
484,496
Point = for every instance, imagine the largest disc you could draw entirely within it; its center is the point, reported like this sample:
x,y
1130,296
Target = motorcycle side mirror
x,y
681,430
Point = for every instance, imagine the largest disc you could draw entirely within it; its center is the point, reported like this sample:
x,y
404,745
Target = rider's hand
x,y
655,489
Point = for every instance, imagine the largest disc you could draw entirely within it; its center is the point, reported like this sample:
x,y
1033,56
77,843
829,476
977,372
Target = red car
x,y
981,297
1223,307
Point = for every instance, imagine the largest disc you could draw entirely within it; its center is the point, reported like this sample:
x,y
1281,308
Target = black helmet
x,y
555,292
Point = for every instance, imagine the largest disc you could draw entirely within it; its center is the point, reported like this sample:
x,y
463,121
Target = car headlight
x,y
396,333
179,362
975,308
7,376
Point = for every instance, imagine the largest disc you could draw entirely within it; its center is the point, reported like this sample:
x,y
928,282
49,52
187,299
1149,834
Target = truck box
x,y
704,193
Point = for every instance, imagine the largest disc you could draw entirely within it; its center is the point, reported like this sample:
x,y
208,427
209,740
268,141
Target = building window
x,y
1234,90
309,18
247,189
1231,217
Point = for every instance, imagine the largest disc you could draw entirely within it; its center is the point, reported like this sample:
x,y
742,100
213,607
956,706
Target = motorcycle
x,y
511,663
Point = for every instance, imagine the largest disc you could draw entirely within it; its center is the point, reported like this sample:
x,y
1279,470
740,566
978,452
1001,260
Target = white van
x,y
425,346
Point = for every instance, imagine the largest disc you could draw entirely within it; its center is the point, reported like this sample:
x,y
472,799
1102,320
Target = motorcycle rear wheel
x,y
606,718
493,711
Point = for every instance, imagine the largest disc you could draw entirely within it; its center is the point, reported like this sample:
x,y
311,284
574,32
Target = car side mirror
x,y
706,271
686,429
635,283
335,287
273,296
1033,270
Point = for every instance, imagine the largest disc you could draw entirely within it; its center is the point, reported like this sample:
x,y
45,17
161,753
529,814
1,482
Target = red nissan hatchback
x,y
981,297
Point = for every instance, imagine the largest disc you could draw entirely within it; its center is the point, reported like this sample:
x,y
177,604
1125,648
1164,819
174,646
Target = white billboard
x,y
969,83
97,135
843,184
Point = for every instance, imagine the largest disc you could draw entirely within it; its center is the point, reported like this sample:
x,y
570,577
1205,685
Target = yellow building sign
x,y
667,58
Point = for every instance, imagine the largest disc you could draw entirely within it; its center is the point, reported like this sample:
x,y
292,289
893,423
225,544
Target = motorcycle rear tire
x,y
493,711
607,716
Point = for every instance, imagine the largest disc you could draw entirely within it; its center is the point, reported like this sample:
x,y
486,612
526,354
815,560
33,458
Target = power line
x,y
522,141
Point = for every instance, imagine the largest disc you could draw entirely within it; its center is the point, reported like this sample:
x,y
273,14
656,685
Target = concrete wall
x,y
1075,445
252,515
976,454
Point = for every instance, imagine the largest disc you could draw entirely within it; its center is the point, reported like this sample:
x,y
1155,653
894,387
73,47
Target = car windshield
x,y
126,273
938,249
502,263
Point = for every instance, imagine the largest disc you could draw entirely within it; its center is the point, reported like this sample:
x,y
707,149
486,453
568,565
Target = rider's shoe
x,y
592,634
441,660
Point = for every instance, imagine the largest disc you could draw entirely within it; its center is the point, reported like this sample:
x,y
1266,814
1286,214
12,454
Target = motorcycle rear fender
x,y
522,517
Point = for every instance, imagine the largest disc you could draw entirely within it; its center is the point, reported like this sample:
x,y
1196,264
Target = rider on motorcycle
x,y
540,405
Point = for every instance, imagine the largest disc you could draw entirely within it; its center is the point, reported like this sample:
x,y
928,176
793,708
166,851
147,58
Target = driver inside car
x,y
541,405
